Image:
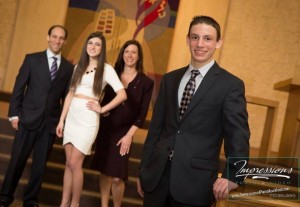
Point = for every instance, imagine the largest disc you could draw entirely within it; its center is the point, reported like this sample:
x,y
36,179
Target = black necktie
x,y
188,92
53,69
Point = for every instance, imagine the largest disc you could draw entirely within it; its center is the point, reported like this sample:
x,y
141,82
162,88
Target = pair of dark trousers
x,y
161,196
39,142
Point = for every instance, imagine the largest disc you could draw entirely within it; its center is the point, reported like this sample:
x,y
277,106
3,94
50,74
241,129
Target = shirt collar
x,y
50,54
204,69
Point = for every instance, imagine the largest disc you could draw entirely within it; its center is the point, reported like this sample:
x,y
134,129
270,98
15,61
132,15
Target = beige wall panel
x,y
33,21
8,11
180,55
261,46
297,73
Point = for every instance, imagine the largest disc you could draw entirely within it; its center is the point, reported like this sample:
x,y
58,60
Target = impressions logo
x,y
262,172
265,180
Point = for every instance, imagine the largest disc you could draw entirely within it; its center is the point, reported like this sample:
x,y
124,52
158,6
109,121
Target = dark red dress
x,y
133,111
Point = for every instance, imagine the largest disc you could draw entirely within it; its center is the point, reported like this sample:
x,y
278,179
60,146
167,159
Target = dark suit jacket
x,y
216,112
35,97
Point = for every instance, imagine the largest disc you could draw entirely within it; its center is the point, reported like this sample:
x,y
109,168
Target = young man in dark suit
x,y
34,111
198,107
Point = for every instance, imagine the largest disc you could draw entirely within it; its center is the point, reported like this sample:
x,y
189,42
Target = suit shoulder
x,y
35,54
228,75
176,72
69,64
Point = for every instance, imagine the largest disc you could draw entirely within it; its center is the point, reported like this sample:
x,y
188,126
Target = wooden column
x,y
218,9
297,145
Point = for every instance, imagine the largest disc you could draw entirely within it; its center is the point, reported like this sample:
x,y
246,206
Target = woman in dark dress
x,y
119,126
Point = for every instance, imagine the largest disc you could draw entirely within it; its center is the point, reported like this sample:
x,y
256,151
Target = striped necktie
x,y
53,69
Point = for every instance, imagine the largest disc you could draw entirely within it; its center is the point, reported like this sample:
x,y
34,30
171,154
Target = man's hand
x,y
14,123
139,188
222,187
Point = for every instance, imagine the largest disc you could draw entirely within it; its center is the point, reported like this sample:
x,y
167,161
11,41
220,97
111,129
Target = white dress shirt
x,y
203,70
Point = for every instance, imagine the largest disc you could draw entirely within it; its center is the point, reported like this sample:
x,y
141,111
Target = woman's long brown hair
x,y
84,62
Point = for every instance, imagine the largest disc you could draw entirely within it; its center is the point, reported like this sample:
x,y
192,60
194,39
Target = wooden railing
x,y
270,121
251,195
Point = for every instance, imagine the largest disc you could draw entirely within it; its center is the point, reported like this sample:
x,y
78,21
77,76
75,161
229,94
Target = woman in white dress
x,y
79,121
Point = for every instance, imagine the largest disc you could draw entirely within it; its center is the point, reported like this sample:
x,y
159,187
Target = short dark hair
x,y
206,20
60,26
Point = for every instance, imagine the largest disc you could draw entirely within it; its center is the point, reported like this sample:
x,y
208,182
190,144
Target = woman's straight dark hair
x,y
84,62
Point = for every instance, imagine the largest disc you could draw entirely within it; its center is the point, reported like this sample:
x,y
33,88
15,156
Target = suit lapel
x,y
61,70
207,82
44,65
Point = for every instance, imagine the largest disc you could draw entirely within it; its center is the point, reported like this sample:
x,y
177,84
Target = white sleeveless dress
x,y
82,124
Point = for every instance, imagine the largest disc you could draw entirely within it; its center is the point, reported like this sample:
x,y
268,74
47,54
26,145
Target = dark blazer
x,y
216,112
35,96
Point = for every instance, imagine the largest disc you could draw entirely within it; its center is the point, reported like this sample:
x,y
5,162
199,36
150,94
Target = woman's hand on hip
x,y
94,106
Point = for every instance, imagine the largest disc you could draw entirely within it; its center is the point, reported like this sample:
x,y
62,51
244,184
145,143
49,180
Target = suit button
x,y
179,132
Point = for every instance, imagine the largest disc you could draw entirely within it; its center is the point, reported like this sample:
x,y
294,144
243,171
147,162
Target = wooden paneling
x,y
30,35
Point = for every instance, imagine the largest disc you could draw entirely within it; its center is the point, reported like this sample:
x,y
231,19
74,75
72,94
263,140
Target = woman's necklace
x,y
90,71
